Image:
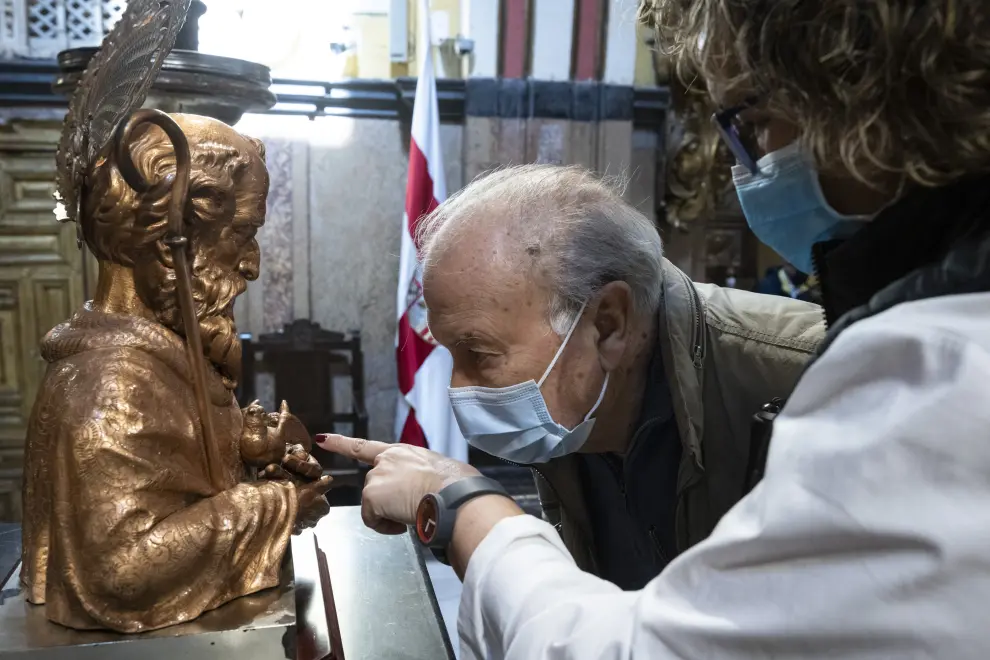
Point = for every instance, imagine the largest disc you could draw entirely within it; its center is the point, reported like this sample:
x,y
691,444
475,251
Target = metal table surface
x,y
386,610
10,549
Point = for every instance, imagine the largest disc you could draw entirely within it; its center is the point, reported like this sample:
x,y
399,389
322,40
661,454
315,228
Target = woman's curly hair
x,y
893,91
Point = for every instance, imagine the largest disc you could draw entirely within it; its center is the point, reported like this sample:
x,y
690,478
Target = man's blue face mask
x,y
784,206
514,423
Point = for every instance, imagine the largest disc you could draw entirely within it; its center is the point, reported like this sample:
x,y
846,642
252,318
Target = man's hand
x,y
401,476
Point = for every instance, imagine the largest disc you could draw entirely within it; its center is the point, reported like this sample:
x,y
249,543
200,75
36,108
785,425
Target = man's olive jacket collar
x,y
725,353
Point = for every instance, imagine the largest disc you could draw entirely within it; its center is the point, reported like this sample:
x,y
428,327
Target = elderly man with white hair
x,y
579,350
860,131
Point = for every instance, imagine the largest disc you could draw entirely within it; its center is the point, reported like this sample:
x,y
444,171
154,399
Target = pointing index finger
x,y
363,450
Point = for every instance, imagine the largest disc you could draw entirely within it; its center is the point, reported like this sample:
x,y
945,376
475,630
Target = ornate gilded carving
x,y
698,172
139,509
127,524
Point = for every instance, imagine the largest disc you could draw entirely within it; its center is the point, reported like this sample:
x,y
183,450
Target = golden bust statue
x,y
133,520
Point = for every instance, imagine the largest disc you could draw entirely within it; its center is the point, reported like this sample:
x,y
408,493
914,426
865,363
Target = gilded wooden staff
x,y
178,245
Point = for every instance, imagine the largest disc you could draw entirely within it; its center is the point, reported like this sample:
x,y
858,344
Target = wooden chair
x,y
305,361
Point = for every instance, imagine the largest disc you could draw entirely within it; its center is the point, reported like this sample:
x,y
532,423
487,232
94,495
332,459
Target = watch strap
x,y
464,490
440,554
449,499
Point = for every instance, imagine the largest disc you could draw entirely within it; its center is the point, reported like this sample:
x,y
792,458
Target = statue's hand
x,y
305,472
311,502
300,462
259,444
297,465
275,472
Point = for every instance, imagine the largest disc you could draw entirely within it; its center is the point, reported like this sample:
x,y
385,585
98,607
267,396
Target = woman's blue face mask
x,y
784,206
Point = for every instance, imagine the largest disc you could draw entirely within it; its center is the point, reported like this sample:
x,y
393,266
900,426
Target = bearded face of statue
x,y
225,256
216,284
126,230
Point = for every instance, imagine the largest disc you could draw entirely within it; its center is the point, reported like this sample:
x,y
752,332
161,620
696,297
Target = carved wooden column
x,y
704,230
41,284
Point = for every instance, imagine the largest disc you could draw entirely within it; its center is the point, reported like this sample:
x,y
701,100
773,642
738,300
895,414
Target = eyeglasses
x,y
727,126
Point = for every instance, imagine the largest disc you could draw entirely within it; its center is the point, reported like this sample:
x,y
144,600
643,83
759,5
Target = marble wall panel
x,y
481,137
614,147
271,301
357,192
281,292
642,185
276,239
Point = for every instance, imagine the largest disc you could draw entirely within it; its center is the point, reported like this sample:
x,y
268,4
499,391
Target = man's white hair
x,y
573,224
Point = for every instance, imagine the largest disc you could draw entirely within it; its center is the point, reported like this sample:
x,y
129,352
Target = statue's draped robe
x,y
122,528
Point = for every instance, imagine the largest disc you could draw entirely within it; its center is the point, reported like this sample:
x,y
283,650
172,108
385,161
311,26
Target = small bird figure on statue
x,y
259,447
277,443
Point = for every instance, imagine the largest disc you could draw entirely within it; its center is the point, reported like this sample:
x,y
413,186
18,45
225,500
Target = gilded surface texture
x,y
698,175
122,518
124,526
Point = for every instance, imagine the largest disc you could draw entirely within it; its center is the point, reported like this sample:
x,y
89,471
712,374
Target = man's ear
x,y
613,314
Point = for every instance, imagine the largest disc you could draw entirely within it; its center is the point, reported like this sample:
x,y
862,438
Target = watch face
x,y
427,519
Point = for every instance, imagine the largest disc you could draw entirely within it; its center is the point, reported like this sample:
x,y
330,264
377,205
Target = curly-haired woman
x,y
869,534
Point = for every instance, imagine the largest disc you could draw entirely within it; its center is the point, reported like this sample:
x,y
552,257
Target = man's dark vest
x,y
933,243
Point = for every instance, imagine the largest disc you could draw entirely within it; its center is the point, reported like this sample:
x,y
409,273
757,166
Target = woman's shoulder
x,y
966,317
941,340
910,381
914,343
875,491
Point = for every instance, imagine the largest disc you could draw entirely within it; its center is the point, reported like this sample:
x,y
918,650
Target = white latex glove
x,y
401,476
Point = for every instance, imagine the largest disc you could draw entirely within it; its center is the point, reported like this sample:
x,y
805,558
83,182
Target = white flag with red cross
x,y
423,416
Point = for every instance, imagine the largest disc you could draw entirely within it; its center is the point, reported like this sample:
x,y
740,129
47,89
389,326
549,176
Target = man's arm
x,y
866,539
475,520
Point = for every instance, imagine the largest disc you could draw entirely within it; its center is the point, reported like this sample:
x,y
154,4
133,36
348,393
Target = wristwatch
x,y
437,511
